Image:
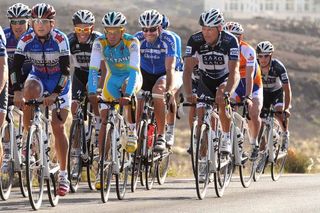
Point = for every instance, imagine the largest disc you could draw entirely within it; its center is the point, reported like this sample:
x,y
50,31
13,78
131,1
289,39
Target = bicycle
x,y
41,165
83,148
114,160
146,163
12,142
208,157
272,152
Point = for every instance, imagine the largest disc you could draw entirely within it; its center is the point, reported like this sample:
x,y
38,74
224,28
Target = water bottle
x,y
150,135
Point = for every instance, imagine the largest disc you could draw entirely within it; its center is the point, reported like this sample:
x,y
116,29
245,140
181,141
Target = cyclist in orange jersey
x,y
250,86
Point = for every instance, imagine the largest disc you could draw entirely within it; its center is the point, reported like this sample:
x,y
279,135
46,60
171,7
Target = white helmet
x,y
265,47
150,18
234,28
211,18
83,17
114,19
18,10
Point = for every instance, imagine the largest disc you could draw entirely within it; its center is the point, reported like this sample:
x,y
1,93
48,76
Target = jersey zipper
x,y
44,59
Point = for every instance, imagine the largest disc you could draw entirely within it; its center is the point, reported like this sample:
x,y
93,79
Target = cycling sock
x,y
63,173
132,126
225,135
213,134
254,141
170,128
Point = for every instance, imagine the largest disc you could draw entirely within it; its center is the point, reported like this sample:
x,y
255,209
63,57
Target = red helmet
x,y
42,10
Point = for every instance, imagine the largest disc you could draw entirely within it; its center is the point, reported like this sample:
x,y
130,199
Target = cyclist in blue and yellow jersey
x,y
81,41
216,52
158,60
3,80
250,85
48,50
120,53
178,68
276,86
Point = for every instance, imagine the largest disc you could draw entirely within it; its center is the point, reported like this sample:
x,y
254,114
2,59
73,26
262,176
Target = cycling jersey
x,y
276,76
80,53
248,59
153,54
213,61
11,46
123,62
3,42
179,62
4,91
50,60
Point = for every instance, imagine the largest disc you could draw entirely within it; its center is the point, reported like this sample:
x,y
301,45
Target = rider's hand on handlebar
x,y
18,99
192,98
48,101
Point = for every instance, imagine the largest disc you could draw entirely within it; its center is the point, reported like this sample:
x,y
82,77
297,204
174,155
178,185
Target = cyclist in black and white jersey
x,y
217,54
81,41
276,85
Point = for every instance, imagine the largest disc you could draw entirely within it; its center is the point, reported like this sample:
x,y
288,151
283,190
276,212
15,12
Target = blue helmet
x,y
165,22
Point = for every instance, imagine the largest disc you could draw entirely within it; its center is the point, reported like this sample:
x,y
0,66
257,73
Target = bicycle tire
x,y
122,177
76,142
35,179
246,169
277,166
149,164
106,165
202,165
163,167
193,145
7,168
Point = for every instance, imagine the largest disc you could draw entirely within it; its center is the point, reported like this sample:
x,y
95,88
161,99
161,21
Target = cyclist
x,y
158,60
178,68
48,49
120,52
250,85
276,84
3,80
217,54
81,41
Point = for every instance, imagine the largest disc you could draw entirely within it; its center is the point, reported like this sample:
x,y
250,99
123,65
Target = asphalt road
x,y
292,193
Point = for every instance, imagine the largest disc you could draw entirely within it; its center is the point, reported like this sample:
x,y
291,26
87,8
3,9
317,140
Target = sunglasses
x,y
41,21
113,31
84,30
151,29
263,56
18,22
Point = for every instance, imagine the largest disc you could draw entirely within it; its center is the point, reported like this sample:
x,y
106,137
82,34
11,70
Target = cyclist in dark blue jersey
x,y
217,54
158,55
3,80
276,86
48,49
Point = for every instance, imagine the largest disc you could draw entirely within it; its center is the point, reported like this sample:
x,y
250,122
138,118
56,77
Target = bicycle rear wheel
x,y
35,175
52,189
150,164
202,163
193,145
7,167
246,169
23,181
106,165
122,177
163,167
76,142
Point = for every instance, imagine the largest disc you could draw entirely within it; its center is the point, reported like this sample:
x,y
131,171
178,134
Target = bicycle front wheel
x,y
122,176
193,145
93,151
7,167
277,165
106,165
202,163
246,169
163,167
35,173
76,142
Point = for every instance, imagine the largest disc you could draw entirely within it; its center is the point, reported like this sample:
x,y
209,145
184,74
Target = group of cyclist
x,y
37,57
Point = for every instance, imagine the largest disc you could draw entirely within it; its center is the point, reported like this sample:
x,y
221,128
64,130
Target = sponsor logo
x,y
188,50
284,76
251,57
26,38
134,47
59,38
213,60
234,51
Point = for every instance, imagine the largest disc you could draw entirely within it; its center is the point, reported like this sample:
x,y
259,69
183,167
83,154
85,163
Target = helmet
x,y
42,10
150,18
18,10
114,19
165,22
234,28
83,17
265,47
211,18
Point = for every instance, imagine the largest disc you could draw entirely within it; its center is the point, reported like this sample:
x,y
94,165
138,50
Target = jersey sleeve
x,y
234,52
170,42
134,49
2,43
63,43
94,67
250,55
282,73
191,48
